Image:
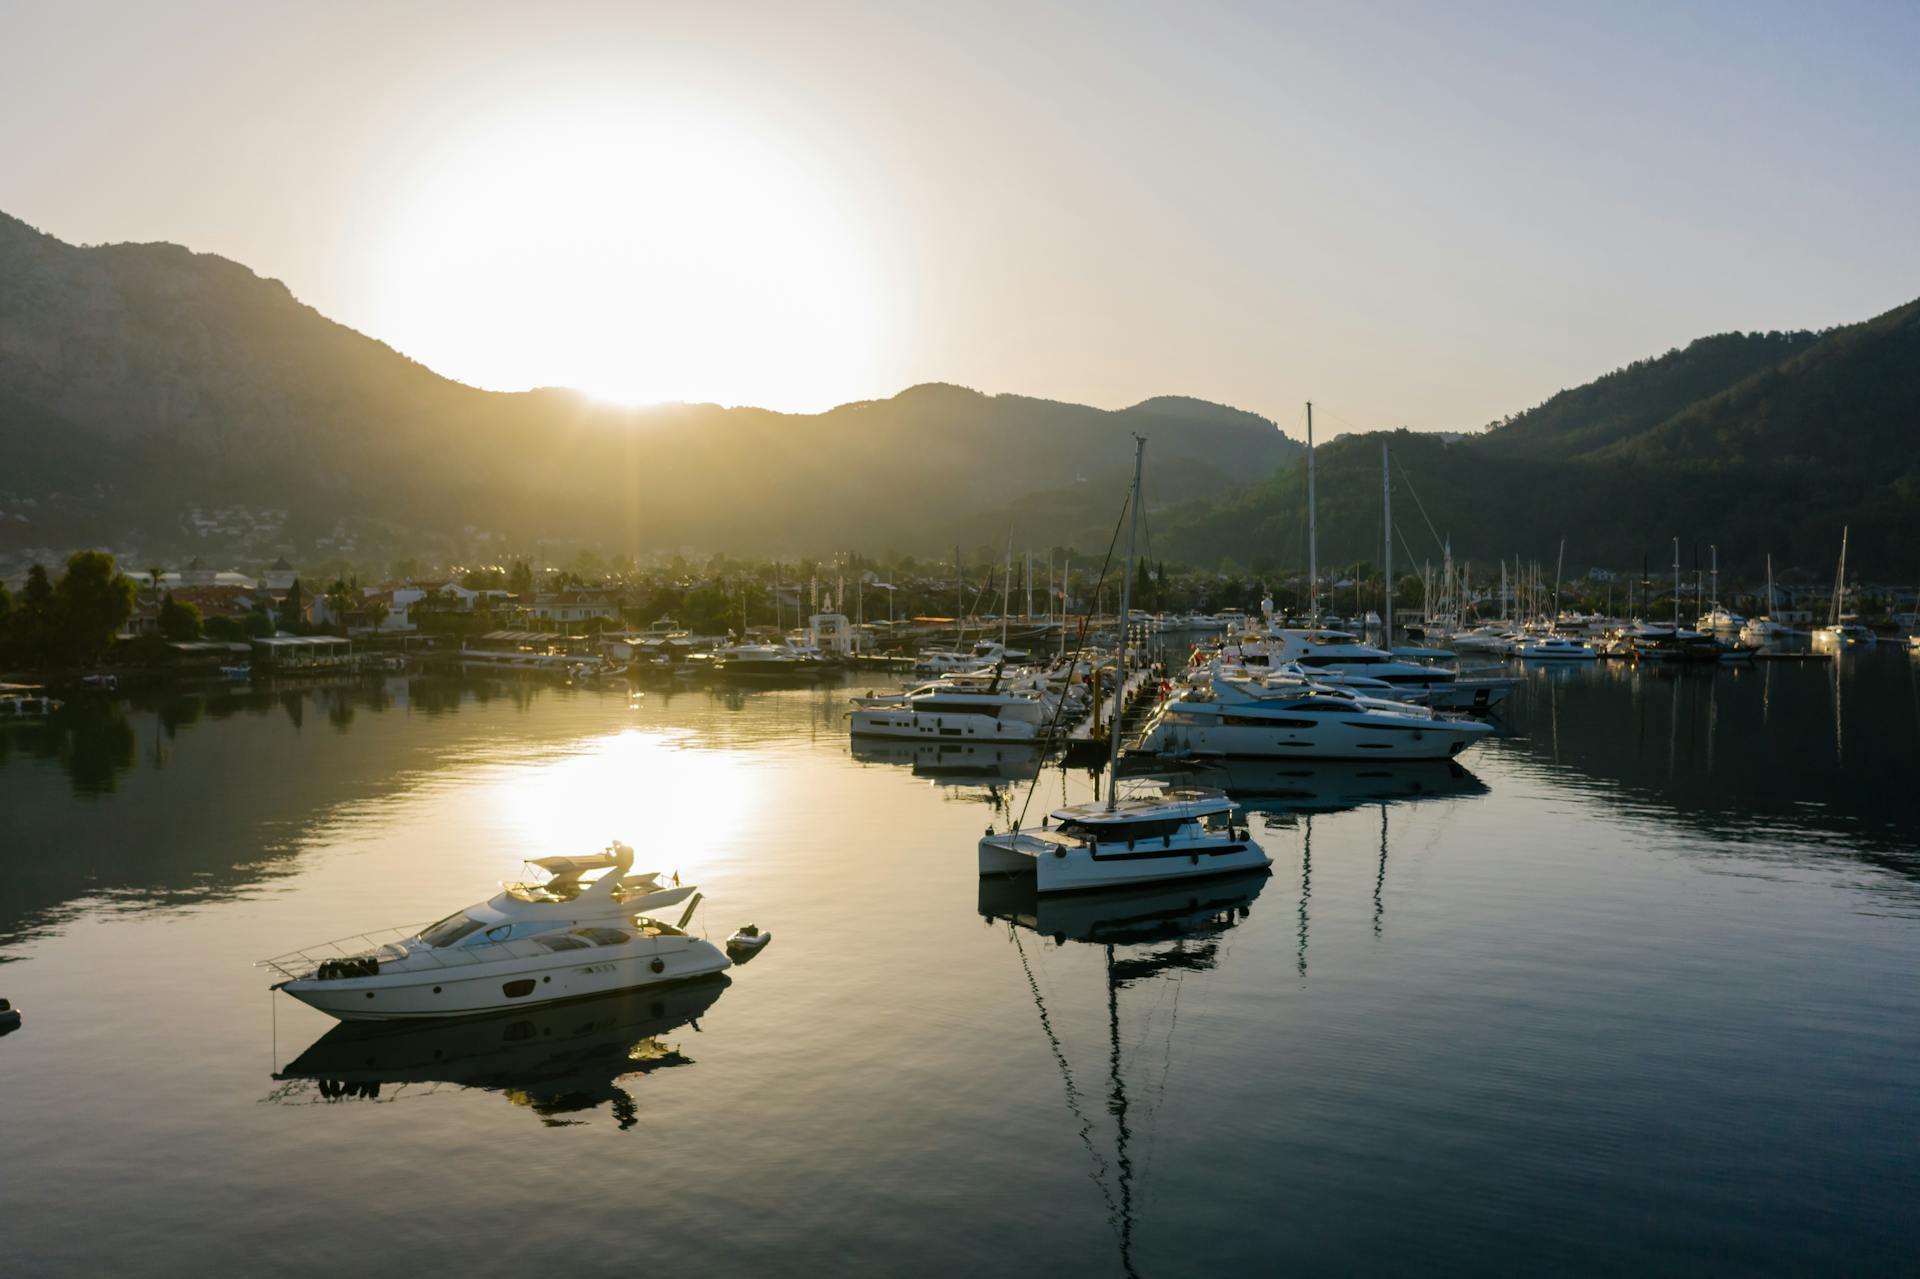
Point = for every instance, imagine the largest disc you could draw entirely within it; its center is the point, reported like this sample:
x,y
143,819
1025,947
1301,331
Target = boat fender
x,y
658,965
1059,852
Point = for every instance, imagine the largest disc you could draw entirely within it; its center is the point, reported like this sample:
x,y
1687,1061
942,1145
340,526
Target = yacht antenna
x,y
1120,653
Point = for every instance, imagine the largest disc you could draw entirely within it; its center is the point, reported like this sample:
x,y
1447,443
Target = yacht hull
x,y
906,725
1064,869
470,990
1325,739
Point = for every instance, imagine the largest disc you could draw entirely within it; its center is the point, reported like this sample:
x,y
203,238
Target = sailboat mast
x,y
1840,577
1126,604
1313,533
1676,587
1006,585
1386,511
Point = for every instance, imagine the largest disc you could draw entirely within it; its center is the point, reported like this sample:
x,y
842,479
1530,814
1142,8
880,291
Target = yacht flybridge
x,y
532,943
1156,833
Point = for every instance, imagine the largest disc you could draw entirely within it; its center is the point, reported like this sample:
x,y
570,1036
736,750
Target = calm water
x,y
1638,990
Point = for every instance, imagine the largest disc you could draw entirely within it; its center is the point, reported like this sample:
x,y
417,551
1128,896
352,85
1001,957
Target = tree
x,y
94,600
294,611
178,621
520,579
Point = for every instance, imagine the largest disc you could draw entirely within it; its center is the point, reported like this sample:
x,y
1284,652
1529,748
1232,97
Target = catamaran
x,y
1156,833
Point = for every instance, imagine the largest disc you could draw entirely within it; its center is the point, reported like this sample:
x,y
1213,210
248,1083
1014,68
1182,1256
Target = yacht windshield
x,y
449,930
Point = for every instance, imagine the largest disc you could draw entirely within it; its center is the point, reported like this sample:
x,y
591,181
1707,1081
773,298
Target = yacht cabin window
x,y
450,930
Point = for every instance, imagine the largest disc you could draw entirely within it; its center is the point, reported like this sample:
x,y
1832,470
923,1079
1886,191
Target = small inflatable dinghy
x,y
9,1016
747,943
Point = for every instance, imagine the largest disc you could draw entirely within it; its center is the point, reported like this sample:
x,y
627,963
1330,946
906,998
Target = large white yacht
x,y
1555,648
1251,718
529,944
1317,649
956,710
765,661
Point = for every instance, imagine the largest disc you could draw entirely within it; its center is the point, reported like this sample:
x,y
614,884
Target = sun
x,y
641,251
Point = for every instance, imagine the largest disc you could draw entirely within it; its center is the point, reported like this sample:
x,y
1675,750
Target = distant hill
x,y
137,381
1760,443
140,381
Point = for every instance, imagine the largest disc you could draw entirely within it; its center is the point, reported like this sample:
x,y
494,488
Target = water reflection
x,y
560,1062
1149,937
1813,752
1332,786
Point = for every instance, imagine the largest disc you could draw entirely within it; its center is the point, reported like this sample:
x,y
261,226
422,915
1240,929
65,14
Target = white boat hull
x,y
464,990
1059,868
1328,737
906,725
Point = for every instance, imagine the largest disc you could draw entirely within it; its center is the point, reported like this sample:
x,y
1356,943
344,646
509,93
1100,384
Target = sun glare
x,y
642,252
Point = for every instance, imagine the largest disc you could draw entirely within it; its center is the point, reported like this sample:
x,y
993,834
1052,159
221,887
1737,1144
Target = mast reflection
x,y
1146,935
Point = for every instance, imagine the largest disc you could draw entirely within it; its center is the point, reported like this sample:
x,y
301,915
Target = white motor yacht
x,y
1248,718
762,661
960,710
1555,648
1324,649
1764,630
530,944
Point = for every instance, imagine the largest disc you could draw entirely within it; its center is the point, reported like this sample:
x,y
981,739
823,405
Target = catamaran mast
x,y
1313,532
1126,604
1386,508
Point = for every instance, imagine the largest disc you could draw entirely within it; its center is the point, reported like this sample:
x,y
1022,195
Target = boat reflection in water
x,y
560,1060
961,765
1334,786
1148,935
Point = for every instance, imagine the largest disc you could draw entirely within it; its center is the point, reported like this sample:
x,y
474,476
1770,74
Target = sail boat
x,y
1841,630
1763,629
1158,832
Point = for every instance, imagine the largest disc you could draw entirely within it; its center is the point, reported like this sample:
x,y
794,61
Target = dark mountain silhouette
x,y
137,380
1760,443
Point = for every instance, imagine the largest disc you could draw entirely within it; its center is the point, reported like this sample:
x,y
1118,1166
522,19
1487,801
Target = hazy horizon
x,y
1410,217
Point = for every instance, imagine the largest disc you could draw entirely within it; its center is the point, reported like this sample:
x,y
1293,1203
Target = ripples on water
x,y
1633,990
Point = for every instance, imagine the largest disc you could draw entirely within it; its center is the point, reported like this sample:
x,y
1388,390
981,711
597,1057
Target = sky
x,y
1423,215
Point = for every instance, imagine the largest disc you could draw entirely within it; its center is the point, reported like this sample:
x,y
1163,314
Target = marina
x,y
1440,956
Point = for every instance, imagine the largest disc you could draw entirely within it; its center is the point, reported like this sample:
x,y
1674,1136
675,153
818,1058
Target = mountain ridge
x,y
167,379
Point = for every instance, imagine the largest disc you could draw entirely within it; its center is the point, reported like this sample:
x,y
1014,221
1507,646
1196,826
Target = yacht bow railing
x,y
296,965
